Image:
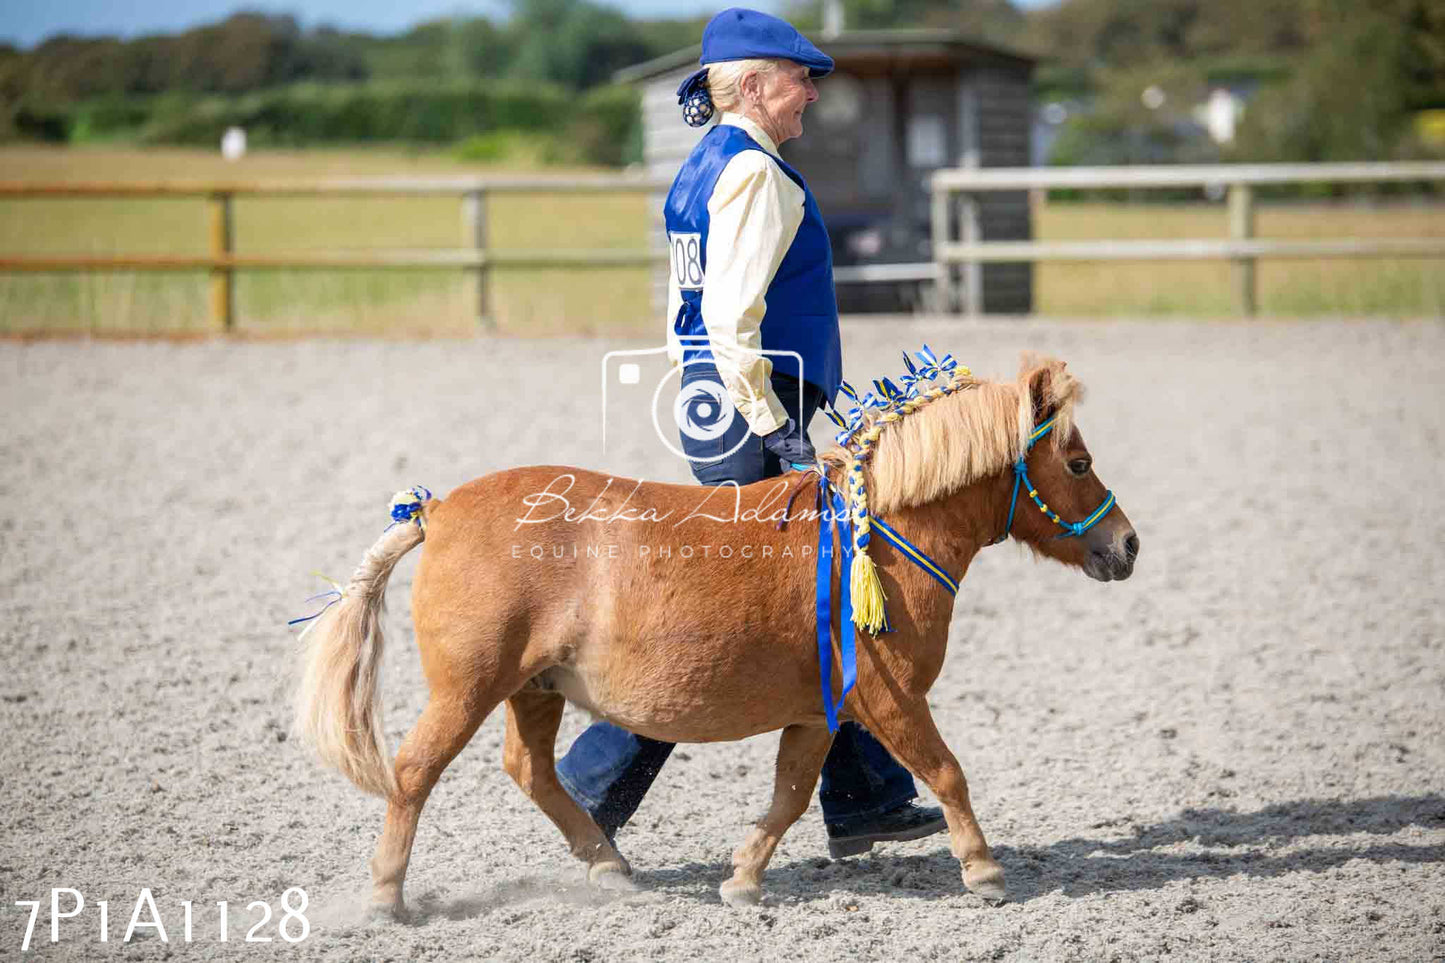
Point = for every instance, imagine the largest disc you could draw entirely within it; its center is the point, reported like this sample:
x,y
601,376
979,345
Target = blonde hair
x,y
725,80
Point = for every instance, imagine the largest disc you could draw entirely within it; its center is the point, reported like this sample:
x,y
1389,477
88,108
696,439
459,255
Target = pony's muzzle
x,y
1114,561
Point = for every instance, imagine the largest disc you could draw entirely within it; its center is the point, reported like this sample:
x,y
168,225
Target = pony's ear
x,y
1048,383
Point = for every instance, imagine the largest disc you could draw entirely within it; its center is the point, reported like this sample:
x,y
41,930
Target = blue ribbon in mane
x,y
831,502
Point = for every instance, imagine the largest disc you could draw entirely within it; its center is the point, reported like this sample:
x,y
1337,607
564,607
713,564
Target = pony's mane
x,y
976,429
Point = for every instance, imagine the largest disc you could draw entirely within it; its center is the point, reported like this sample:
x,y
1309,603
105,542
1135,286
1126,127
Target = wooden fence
x,y
957,263
224,261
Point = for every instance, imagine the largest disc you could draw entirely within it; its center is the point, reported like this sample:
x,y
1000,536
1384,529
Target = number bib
x,y
686,260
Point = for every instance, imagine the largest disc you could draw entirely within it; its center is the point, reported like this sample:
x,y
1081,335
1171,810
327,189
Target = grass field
x,y
610,299
440,301
1334,286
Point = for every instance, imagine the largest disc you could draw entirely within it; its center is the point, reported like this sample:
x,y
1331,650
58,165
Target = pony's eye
x,y
1080,466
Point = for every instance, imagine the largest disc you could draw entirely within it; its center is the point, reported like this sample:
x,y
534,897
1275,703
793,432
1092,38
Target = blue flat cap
x,y
738,34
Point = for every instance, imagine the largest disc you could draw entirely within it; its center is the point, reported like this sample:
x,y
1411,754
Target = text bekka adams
x,y
552,505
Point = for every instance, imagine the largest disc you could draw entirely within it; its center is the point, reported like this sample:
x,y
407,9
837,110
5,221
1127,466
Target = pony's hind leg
x,y
532,720
801,752
445,726
909,733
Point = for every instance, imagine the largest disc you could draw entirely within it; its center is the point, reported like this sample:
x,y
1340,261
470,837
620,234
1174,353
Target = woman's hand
x,y
791,445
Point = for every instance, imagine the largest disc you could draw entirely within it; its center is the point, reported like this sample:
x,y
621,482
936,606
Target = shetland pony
x,y
687,614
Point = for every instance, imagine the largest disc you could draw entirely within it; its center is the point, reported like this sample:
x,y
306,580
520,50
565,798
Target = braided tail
x,y
338,709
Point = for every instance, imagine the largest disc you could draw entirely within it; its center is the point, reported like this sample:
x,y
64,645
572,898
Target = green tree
x,y
998,21
573,42
1370,67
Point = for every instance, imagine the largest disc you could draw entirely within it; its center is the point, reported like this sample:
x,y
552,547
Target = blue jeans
x,y
608,770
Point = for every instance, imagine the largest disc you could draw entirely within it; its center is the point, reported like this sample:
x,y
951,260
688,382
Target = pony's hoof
x,y
613,876
740,893
386,913
986,880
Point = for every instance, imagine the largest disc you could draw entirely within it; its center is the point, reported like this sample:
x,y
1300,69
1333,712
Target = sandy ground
x,y
1236,755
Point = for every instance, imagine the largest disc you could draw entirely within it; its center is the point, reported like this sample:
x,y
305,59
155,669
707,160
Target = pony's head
x,y
1058,505
974,435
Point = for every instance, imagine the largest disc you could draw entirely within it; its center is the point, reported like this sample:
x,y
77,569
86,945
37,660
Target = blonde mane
x,y
953,439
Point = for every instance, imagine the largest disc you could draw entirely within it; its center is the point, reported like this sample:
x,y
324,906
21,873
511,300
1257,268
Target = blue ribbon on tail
x,y
334,595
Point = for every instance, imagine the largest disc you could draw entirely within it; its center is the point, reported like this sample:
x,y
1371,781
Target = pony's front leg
x,y
909,733
801,752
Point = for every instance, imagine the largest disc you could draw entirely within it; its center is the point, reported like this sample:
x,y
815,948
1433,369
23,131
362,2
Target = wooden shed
x,y
899,105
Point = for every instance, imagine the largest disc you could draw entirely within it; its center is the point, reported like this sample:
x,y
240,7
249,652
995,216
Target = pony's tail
x,y
338,710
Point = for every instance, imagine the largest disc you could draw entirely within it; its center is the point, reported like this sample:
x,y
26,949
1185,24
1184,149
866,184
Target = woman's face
x,y
781,97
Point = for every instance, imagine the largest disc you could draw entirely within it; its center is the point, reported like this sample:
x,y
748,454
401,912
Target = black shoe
x,y
908,821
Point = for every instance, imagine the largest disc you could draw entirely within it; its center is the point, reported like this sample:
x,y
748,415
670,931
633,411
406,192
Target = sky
x,y
27,22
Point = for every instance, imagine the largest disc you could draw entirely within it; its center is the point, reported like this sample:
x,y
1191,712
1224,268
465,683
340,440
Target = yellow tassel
x,y
867,593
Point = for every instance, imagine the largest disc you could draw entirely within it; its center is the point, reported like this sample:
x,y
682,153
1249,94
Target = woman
x,y
752,270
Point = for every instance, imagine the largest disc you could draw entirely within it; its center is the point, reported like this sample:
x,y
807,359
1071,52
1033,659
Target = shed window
x,y
927,141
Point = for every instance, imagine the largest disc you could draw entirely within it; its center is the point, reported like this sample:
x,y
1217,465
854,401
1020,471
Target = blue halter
x,y
1021,477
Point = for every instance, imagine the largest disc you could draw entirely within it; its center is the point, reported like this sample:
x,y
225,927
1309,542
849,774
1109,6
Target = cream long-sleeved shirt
x,y
754,214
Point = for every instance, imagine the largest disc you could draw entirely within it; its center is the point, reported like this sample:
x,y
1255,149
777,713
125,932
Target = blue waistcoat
x,y
802,310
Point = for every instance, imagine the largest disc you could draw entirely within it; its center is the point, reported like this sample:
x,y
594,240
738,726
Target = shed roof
x,y
865,50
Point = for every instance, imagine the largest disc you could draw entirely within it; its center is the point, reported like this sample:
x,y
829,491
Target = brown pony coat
x,y
686,614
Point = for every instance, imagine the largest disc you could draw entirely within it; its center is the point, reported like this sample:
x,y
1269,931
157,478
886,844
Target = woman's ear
x,y
748,86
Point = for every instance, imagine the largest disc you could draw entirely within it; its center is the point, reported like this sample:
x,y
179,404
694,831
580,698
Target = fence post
x,y
945,288
1241,228
474,235
970,157
222,275
970,230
